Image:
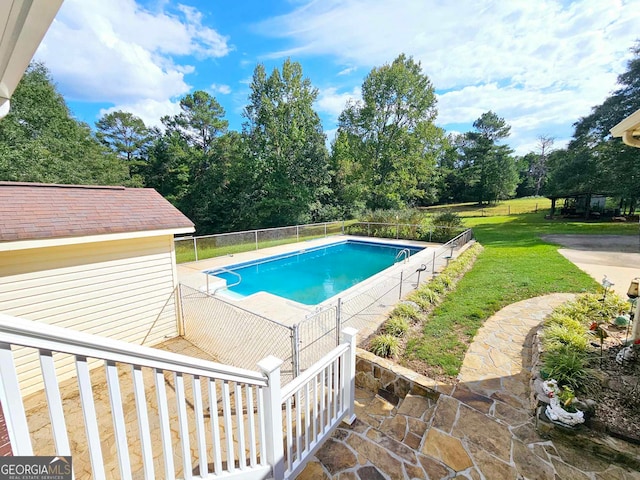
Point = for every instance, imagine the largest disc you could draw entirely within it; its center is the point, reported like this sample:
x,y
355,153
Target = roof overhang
x,y
58,242
629,130
23,24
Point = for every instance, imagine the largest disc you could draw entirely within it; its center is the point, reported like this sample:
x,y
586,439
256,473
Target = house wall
x,y
124,289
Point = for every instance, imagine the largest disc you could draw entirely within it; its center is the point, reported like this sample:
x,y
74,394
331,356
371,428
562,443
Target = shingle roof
x,y
30,211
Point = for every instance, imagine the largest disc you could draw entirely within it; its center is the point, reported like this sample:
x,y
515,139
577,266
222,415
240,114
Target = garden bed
x,y
612,389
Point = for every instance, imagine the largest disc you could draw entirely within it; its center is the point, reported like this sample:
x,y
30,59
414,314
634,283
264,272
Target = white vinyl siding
x,y
124,289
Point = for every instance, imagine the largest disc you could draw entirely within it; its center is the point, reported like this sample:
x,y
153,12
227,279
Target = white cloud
x,y
118,52
541,65
347,71
221,88
149,110
332,103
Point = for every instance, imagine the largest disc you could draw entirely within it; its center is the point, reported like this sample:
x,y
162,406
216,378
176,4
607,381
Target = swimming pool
x,y
311,276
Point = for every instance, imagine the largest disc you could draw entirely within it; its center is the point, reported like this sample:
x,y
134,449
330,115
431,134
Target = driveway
x,y
616,256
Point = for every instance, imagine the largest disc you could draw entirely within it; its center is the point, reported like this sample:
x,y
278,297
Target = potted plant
x,y
561,408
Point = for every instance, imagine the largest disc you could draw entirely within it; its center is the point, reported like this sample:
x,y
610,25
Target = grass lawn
x,y
507,207
515,265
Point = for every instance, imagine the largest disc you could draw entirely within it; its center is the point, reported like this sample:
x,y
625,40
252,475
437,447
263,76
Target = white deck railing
x,y
227,421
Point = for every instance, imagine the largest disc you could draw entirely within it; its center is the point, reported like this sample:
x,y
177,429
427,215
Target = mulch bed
x,y
616,390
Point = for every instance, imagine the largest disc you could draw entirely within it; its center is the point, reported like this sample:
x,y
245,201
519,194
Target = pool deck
x,y
271,306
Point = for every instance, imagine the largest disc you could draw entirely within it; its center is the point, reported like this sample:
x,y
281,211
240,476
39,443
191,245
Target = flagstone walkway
x,y
484,430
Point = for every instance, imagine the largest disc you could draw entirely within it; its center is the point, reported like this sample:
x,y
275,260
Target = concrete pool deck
x,y
271,306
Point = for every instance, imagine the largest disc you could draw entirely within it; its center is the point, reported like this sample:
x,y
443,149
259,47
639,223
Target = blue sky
x,y
541,65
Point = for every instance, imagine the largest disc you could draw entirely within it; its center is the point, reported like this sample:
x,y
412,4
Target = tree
x,y
387,144
538,168
489,168
596,162
41,142
126,135
200,122
286,146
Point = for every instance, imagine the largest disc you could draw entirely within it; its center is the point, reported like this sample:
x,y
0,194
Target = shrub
x,y
447,224
567,366
557,318
405,310
424,297
556,336
438,286
396,326
385,346
590,307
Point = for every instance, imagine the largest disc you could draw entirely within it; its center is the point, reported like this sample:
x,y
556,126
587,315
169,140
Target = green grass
x,y
515,265
507,207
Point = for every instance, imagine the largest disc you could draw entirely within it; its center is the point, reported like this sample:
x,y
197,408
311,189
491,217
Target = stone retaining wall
x,y
393,382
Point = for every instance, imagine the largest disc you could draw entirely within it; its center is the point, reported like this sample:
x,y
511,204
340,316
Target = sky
x,y
541,65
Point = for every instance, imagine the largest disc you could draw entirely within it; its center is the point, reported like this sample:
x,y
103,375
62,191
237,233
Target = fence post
x,y
368,229
325,229
349,335
430,233
180,310
400,293
338,309
342,227
509,209
536,208
433,264
297,233
270,367
256,239
295,349
397,230
195,247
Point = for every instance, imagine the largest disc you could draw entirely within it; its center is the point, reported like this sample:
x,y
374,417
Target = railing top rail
x,y
260,230
290,388
457,237
23,332
401,224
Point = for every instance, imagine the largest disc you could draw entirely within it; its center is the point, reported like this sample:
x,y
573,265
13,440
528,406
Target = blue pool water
x,y
311,276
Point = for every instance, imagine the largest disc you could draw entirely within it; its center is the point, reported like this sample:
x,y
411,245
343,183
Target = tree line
x,y
387,152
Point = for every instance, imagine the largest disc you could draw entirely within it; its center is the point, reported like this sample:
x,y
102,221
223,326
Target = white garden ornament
x,y
555,411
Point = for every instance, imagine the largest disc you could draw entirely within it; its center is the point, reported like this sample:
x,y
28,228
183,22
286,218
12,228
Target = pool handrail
x,y
225,270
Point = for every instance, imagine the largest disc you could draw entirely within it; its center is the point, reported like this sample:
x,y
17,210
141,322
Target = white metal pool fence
x,y
241,338
207,246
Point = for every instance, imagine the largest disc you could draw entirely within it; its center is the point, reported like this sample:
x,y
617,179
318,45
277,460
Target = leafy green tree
x,y
200,121
489,168
594,162
287,156
124,133
41,142
387,145
127,136
168,166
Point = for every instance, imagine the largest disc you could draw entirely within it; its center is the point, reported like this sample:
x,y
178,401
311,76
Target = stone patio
x,y
484,429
